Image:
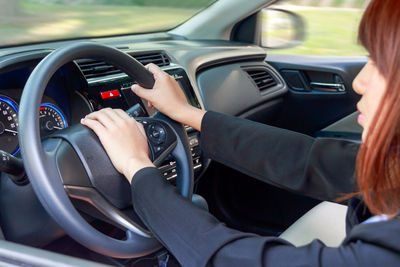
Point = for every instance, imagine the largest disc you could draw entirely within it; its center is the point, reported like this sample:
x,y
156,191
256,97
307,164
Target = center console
x,y
114,91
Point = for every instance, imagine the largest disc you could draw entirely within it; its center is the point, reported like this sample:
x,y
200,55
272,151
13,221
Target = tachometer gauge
x,y
51,119
8,125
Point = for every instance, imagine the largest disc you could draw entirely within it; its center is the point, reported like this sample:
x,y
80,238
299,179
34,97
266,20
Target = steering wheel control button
x,y
110,94
161,139
156,133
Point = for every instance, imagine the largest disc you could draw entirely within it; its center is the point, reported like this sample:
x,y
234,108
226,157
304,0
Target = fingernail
x,y
82,120
134,87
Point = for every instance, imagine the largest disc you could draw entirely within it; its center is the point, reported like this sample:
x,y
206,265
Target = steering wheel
x,y
72,163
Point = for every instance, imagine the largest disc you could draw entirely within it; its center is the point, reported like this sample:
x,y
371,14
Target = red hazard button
x,y
110,94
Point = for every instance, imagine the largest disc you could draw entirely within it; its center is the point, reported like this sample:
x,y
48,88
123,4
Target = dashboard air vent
x,y
159,59
95,68
262,78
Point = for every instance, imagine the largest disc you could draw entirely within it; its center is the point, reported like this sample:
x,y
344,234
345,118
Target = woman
x,y
196,238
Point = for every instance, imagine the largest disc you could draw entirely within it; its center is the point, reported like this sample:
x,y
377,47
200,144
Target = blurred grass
x,y
37,23
328,32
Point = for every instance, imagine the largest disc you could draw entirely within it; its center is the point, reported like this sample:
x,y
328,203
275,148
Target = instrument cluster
x,y
51,119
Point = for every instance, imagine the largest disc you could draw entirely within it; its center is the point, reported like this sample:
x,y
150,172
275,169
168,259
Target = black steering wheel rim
x,y
44,177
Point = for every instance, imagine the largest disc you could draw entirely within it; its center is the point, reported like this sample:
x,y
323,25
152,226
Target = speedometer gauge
x,y
51,119
8,125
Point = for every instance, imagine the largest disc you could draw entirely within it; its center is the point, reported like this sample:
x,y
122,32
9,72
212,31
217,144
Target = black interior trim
x,y
230,60
247,30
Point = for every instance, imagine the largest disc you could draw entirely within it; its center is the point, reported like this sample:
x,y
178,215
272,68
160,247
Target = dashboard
x,y
222,76
109,87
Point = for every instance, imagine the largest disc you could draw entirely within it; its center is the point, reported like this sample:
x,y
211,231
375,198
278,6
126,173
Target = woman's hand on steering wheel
x,y
166,94
168,97
123,138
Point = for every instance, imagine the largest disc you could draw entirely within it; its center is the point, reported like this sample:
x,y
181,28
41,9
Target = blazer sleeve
x,y
196,238
322,168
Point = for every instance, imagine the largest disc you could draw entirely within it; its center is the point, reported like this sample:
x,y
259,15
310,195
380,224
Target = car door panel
x,y
310,109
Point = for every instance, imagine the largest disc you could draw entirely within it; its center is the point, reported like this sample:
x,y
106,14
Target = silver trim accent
x,y
107,78
197,166
172,177
123,75
330,87
175,175
91,196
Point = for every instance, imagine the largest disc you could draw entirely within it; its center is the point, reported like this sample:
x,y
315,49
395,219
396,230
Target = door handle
x,y
328,87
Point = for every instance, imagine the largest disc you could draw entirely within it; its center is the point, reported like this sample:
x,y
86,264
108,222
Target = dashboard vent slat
x,y
159,59
95,68
262,78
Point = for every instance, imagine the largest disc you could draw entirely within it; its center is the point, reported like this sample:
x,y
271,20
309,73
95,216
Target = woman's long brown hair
x,y
378,162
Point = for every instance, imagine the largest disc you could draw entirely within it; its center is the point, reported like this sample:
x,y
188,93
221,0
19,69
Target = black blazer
x,y
321,168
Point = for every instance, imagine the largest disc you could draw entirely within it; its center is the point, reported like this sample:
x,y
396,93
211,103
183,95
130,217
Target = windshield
x,y
31,21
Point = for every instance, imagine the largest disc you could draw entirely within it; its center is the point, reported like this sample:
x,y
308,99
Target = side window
x,y
330,27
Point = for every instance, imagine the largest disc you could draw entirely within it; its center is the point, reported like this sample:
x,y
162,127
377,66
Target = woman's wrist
x,y
190,116
133,165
